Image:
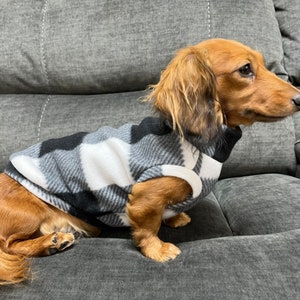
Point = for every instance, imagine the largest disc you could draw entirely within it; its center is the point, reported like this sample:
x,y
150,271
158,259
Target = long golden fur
x,y
215,82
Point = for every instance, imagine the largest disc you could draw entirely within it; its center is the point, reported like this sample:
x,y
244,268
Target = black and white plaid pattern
x,y
89,175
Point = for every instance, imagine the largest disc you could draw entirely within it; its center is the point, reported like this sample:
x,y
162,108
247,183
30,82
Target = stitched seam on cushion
x,y
224,215
208,19
42,43
42,117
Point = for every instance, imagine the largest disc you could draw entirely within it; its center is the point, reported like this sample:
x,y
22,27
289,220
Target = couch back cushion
x,y
99,46
263,148
288,15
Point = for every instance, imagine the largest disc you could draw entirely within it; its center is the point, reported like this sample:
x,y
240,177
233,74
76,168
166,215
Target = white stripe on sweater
x,y
106,163
30,167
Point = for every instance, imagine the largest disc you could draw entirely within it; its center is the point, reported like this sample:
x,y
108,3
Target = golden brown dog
x,y
213,83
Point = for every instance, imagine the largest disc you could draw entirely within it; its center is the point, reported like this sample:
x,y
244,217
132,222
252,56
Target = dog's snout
x,y
296,100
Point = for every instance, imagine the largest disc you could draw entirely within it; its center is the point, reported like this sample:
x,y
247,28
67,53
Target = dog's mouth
x,y
264,118
260,117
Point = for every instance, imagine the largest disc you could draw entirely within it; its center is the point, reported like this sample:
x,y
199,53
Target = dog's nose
x,y
296,100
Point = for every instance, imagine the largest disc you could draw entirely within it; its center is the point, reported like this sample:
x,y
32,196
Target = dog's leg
x,y
145,209
30,227
179,220
40,246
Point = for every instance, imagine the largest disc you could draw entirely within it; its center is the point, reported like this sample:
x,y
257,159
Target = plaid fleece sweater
x,y
89,175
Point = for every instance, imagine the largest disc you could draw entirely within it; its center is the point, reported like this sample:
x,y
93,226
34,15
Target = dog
x,y
206,92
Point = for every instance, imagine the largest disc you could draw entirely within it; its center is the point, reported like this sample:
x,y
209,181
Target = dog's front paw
x,y
160,251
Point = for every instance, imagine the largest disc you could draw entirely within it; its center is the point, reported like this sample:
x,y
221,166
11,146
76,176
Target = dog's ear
x,y
186,94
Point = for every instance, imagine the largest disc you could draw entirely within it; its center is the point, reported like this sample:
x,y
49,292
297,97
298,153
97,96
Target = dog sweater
x,y
90,175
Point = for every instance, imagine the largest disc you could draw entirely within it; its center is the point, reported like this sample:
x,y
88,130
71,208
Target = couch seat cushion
x,y
260,204
250,267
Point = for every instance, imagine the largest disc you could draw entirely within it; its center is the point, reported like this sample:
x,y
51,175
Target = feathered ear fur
x,y
186,95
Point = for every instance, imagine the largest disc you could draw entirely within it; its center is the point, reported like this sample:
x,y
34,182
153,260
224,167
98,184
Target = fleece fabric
x,y
90,175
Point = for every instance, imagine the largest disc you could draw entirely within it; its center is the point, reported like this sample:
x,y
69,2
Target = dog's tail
x,y
14,268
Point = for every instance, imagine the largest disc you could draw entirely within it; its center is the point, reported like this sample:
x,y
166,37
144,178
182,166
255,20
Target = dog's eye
x,y
246,70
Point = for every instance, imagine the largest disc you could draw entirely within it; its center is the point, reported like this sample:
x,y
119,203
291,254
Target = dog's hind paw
x,y
178,221
61,241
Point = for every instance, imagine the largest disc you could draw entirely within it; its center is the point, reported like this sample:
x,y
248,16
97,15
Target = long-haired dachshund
x,y
139,175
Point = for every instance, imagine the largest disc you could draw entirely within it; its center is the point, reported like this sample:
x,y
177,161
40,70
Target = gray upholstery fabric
x,y
99,47
287,13
297,142
251,267
260,204
264,148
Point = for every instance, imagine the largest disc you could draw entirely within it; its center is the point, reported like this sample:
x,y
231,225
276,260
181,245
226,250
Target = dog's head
x,y
220,81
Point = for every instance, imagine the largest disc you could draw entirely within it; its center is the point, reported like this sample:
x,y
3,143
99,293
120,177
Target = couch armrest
x,y
296,118
297,152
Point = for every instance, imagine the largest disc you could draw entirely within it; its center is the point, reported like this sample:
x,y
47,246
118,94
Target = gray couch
x,y
75,65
